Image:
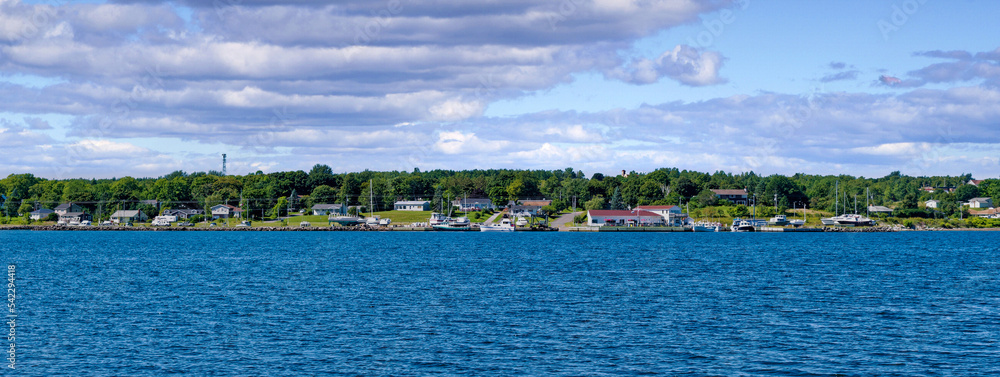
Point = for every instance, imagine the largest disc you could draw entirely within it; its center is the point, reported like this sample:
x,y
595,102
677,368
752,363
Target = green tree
x,y
706,198
596,202
616,200
740,211
966,192
514,189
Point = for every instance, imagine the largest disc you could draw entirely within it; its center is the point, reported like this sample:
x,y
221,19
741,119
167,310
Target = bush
x,y
196,218
580,219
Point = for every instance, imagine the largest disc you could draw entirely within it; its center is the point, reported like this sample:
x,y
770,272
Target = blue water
x,y
291,303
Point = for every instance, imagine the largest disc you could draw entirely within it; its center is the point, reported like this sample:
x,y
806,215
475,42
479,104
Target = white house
x,y
473,204
225,211
981,203
128,216
182,213
73,217
65,208
672,215
932,203
597,217
524,211
40,214
413,205
327,209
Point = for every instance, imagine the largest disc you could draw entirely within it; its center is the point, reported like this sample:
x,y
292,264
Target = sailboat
x,y
847,219
344,219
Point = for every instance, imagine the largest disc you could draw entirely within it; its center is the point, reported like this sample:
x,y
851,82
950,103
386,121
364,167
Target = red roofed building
x,y
597,217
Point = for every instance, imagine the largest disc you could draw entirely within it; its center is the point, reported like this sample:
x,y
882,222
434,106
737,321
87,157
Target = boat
x,y
742,226
853,220
797,222
343,220
372,221
384,222
778,220
504,226
305,224
437,219
460,221
451,226
705,226
521,221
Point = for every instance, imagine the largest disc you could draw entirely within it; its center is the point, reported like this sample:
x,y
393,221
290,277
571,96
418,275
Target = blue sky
x,y
143,87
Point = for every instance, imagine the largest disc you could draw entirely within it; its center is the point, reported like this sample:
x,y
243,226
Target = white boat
x,y
305,224
461,221
797,222
705,226
372,221
742,226
853,220
437,219
504,226
384,222
345,220
778,220
521,221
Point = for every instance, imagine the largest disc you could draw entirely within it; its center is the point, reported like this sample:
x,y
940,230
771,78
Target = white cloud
x,y
457,142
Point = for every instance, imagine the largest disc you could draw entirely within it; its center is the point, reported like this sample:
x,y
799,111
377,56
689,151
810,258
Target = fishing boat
x,y
742,226
438,219
778,220
504,226
705,226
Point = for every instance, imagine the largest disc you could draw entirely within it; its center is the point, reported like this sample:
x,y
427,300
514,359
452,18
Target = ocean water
x,y
344,303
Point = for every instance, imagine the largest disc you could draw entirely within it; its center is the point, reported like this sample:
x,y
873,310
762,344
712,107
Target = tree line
x,y
274,194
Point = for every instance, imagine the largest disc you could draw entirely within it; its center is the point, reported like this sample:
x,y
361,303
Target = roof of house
x,y
729,192
182,210
991,211
980,200
64,206
327,206
656,208
412,202
975,182
540,203
73,214
473,200
624,213
231,207
126,213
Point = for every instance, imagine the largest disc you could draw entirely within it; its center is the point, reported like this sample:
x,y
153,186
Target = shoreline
x,y
419,229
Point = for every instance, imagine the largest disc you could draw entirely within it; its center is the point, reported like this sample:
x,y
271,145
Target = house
x,y
73,217
539,203
734,196
932,203
596,217
412,205
524,211
182,213
128,216
672,215
473,204
991,213
327,209
41,214
225,211
980,203
880,210
65,208
975,182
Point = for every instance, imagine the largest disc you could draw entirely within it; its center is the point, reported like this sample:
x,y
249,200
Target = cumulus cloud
x,y
684,64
